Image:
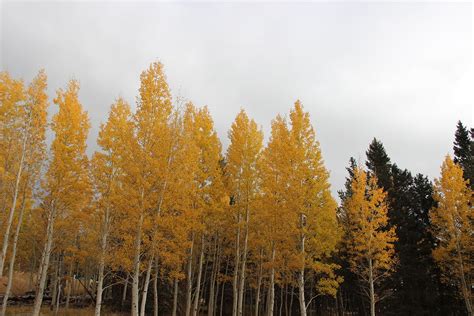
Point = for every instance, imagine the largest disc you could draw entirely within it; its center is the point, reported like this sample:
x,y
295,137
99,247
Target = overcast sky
x,y
399,72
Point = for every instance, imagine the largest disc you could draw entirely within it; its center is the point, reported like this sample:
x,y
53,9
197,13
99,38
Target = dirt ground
x,y
26,310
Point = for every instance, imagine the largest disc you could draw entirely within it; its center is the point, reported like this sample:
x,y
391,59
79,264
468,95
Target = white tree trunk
x,y
43,269
175,297
465,289
301,272
189,288
13,256
155,290
271,285
259,285
103,249
198,285
6,234
243,266
235,282
145,287
136,267
212,286
371,285
125,287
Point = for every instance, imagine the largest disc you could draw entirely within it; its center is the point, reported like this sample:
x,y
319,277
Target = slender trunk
x,y
198,285
9,223
243,266
13,256
175,297
125,286
291,298
58,299
43,269
371,285
281,301
259,285
271,286
55,283
190,279
103,249
235,282
301,272
464,287
69,282
210,306
136,267
155,290
223,288
145,287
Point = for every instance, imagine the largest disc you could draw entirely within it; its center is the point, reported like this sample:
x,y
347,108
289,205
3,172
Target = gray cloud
x,y
398,72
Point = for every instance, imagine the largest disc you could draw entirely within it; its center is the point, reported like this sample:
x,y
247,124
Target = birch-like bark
x,y
58,299
301,272
175,297
136,267
371,285
271,286
54,282
259,285
43,269
189,284
68,288
125,286
13,256
145,287
198,285
236,269
9,223
466,292
212,286
243,266
103,249
155,290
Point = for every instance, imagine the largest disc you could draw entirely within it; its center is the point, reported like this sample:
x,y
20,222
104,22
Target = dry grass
x,y
20,284
26,310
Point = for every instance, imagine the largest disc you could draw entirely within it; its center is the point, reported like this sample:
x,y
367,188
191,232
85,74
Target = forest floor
x,y
26,310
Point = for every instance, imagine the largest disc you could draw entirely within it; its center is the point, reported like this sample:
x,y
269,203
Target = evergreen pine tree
x,y
378,163
464,151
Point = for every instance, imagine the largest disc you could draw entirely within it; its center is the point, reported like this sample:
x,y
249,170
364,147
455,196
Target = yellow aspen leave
x,y
312,205
453,226
29,155
274,222
107,169
369,241
12,98
146,168
67,183
241,178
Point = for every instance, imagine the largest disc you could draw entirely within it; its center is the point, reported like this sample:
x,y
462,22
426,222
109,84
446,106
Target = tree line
x,y
160,221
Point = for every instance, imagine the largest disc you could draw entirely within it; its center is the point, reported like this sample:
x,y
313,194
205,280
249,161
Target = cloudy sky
x,y
399,72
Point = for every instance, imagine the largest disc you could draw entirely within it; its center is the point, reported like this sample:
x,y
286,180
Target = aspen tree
x,y
67,182
452,220
246,142
209,186
309,197
369,241
32,156
148,161
12,98
273,215
14,123
114,138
